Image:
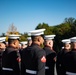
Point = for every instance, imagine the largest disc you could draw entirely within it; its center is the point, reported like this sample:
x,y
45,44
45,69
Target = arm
x,y
41,62
15,63
58,64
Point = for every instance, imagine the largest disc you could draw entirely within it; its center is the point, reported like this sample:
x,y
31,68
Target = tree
x,y
69,20
48,28
3,35
12,30
24,37
73,29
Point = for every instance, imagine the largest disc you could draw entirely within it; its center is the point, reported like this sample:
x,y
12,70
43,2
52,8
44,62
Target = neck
x,y
13,46
49,47
36,42
66,50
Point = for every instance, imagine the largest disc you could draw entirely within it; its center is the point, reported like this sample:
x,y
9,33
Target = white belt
x,y
31,71
70,73
8,69
46,67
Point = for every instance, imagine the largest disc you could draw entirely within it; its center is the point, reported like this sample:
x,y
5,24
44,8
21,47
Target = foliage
x,y
24,37
65,30
47,27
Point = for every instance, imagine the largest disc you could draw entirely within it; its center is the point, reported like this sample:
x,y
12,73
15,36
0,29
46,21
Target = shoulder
x,y
46,48
40,53
13,54
36,48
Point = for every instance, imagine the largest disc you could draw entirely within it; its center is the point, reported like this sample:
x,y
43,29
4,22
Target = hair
x,y
10,41
4,42
35,38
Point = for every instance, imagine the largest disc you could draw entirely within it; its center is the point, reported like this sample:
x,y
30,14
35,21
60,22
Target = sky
x,y
27,14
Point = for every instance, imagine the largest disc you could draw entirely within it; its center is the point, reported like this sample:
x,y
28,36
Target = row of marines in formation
x,y
37,59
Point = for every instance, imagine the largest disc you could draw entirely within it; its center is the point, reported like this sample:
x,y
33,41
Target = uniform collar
x,y
35,44
49,47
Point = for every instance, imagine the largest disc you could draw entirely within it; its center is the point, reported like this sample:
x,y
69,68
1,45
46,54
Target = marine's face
x,y
23,46
2,46
74,45
67,46
17,43
29,42
41,40
49,43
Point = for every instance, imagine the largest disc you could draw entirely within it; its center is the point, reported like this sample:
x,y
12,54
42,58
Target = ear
x,y
39,39
14,42
49,43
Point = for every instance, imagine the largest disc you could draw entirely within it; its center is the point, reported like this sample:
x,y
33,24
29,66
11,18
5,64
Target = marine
x,y
33,57
10,57
50,54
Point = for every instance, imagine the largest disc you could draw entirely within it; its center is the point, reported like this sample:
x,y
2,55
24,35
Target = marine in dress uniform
x,y
60,66
50,54
10,57
29,41
71,59
2,48
33,57
23,44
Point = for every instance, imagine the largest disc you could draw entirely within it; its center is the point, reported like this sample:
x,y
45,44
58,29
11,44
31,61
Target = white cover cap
x,y
49,37
13,36
24,42
28,38
2,39
37,32
73,39
6,42
66,41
